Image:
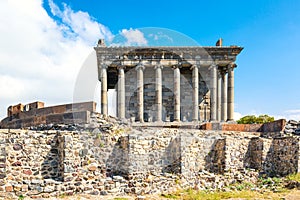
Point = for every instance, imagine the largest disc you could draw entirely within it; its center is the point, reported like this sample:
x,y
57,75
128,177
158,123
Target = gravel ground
x,y
292,195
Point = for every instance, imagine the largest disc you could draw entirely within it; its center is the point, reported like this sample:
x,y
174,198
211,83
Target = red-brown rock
x,y
8,188
27,171
92,168
17,163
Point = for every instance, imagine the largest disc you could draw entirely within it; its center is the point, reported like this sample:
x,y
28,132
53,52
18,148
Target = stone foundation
x,y
277,126
119,160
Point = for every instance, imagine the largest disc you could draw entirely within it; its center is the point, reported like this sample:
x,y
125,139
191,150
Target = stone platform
x,y
276,126
111,157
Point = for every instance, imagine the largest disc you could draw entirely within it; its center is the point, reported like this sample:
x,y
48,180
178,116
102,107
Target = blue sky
x,y
266,78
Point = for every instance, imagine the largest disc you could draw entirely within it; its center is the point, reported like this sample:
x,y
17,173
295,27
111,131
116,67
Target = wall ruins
x,y
110,157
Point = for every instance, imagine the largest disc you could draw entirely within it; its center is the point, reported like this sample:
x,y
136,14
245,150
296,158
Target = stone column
x,y
176,93
104,106
121,92
213,93
224,96
140,91
230,92
219,95
195,80
158,92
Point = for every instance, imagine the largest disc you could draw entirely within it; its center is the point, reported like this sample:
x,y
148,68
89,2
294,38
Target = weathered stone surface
x,y
138,161
27,172
9,188
17,147
92,168
292,127
17,163
67,113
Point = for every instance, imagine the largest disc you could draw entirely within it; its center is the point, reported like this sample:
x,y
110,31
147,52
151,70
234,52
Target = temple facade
x,y
169,84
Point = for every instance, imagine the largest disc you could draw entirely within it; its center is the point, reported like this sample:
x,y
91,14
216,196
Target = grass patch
x,y
170,196
218,195
120,198
62,196
21,197
294,177
265,188
241,186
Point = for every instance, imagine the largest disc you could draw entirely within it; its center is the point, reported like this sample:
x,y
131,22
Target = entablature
x,y
167,56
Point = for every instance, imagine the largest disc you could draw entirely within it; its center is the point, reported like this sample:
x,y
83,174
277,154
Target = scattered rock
x,y
27,172
17,147
292,127
292,185
8,188
92,168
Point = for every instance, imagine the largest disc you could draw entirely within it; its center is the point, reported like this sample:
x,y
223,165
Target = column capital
x,y
231,65
103,66
213,66
222,70
195,66
159,66
218,72
121,67
140,66
176,66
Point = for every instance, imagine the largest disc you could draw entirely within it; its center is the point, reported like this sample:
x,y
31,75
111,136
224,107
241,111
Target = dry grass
x,y
294,177
218,195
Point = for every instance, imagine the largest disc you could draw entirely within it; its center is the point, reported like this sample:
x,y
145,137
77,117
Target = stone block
x,y
34,105
275,126
15,109
39,120
9,188
54,118
92,168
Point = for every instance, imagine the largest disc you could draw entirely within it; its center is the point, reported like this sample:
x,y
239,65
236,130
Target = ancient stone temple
x,y
169,83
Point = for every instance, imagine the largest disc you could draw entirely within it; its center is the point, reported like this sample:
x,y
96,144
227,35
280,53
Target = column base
x,y
231,122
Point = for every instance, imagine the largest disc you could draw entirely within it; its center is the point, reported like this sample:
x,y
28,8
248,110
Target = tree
x,y
252,119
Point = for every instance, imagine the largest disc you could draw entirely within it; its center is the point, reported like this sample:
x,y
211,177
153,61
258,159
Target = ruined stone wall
x,y
236,149
157,152
282,156
196,154
273,156
29,160
124,160
50,163
60,114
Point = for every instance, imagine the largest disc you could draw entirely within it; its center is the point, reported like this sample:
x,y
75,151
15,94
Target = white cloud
x,y
276,117
80,24
39,56
237,116
161,35
133,37
292,114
